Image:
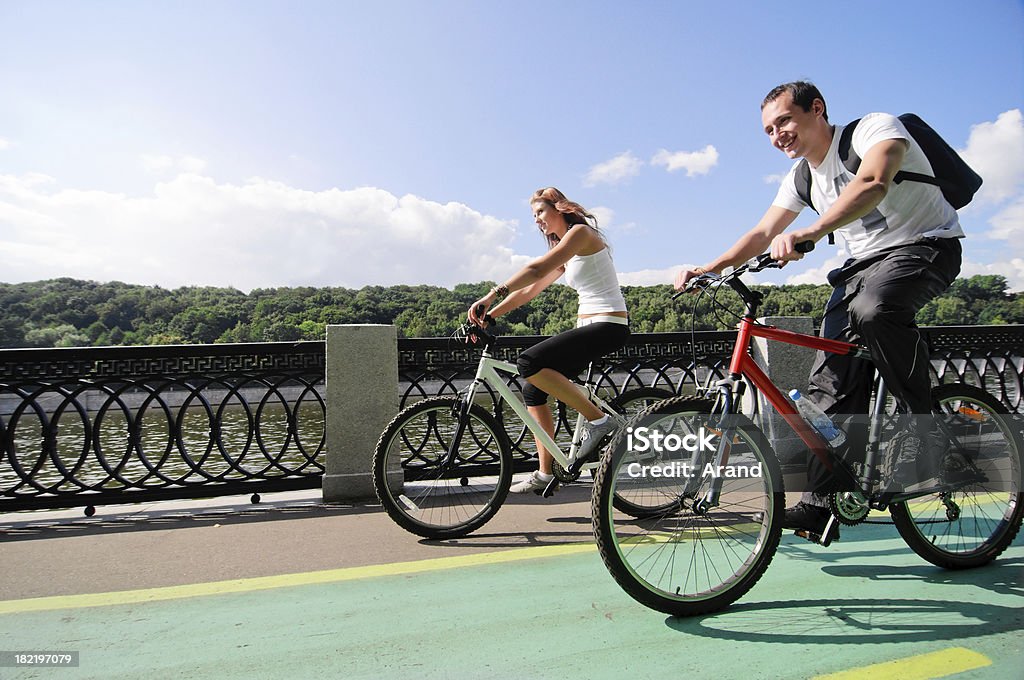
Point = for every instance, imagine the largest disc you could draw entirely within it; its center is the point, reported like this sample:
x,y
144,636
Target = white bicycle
x,y
443,466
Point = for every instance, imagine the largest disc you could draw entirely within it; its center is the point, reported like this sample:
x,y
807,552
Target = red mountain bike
x,y
718,488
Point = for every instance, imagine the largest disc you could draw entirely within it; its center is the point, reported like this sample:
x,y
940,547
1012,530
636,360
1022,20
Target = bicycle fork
x,y
461,412
724,406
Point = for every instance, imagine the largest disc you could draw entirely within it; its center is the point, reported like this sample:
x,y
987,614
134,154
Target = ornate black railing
x,y
83,427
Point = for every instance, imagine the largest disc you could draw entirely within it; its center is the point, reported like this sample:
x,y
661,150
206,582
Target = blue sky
x,y
258,144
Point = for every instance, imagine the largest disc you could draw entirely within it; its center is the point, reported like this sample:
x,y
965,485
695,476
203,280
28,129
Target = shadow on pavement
x,y
517,539
34,528
1004,576
845,621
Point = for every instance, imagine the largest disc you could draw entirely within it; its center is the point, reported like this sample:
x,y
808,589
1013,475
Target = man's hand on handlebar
x,y
685,278
787,247
689,280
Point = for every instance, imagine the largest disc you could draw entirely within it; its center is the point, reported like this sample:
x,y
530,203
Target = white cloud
x,y
694,162
1011,269
605,216
651,277
1008,224
4,144
667,276
193,230
613,171
774,179
996,152
606,221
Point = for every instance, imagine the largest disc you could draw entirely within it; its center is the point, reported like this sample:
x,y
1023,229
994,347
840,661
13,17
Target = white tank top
x,y
593,277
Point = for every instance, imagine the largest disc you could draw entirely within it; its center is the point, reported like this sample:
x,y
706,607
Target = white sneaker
x,y
532,483
591,436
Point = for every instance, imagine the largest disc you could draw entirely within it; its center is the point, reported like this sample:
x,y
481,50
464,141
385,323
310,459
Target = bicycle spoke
x,y
684,560
428,488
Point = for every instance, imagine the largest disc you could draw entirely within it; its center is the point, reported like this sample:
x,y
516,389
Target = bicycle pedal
x,y
814,537
550,489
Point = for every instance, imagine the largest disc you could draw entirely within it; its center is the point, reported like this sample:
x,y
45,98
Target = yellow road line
x,y
938,664
285,580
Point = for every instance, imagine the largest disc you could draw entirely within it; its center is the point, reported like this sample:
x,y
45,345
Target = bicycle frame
x,y
487,372
742,364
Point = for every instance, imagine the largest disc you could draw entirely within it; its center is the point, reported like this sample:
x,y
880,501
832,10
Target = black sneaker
x,y
810,522
913,467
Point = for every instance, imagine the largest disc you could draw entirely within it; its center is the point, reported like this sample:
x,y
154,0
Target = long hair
x,y
574,212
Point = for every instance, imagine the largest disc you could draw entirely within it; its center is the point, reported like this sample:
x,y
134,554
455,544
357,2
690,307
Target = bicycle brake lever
x,y
703,281
761,262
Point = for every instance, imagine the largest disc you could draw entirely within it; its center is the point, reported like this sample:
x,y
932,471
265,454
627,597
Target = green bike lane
x,y
524,598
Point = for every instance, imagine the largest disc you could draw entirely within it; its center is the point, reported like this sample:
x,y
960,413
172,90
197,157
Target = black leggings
x,y
569,353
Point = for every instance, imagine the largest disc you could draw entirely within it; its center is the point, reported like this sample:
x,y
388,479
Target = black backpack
x,y
953,176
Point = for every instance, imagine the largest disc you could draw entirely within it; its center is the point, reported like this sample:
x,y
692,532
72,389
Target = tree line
x,y
68,312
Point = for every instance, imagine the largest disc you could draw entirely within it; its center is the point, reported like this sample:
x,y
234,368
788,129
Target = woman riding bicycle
x,y
577,249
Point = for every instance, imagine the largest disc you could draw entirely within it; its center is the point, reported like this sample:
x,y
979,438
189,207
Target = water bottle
x,y
818,419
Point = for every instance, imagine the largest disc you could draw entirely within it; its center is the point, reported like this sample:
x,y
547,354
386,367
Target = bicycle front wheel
x,y
974,521
701,551
429,492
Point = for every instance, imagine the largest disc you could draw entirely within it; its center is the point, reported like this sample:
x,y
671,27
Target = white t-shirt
x,y
909,211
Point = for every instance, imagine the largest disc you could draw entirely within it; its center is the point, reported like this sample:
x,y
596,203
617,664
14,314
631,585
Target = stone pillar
x,y
788,366
362,398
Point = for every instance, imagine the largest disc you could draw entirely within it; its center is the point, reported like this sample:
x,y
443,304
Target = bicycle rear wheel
x,y
426,495
972,523
688,558
631,404
638,501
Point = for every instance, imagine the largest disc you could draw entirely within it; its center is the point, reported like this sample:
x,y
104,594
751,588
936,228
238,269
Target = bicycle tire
x,y
422,496
971,525
681,561
632,403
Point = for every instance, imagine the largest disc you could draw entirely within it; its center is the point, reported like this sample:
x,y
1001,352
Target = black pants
x,y
874,303
569,353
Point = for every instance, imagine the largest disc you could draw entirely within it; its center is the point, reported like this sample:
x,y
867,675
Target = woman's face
x,y
551,222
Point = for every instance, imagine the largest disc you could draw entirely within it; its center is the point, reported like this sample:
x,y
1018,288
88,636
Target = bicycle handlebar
x,y
471,332
754,264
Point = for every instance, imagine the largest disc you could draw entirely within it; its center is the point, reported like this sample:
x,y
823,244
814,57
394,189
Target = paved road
x,y
295,589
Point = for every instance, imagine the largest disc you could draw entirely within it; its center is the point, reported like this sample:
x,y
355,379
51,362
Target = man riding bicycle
x,y
904,245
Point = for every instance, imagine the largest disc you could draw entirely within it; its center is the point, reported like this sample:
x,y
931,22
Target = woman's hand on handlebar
x,y
478,310
684,277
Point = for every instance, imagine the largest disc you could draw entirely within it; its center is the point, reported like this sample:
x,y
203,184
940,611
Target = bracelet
x,y
500,291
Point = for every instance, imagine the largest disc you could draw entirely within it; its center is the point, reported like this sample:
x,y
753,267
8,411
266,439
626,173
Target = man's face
x,y
792,130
